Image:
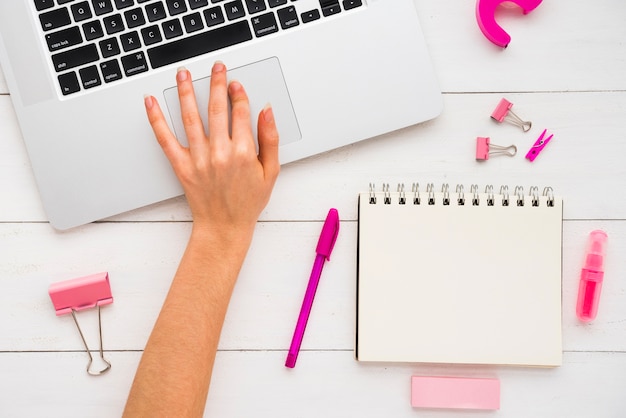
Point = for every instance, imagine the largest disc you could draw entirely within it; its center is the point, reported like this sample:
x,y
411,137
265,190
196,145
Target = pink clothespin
x,y
484,149
503,112
485,15
539,145
74,295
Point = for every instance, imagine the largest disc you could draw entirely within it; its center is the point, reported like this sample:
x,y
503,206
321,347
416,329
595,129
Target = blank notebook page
x,y
454,283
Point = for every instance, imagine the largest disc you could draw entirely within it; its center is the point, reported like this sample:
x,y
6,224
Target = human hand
x,y
226,183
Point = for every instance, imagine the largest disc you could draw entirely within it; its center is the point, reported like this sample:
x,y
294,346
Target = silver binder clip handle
x,y
108,364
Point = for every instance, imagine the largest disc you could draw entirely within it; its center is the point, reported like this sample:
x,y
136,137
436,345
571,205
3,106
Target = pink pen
x,y
324,248
591,277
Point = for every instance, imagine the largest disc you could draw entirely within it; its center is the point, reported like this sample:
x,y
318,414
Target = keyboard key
x,y
199,44
75,57
288,17
134,18
176,7
214,16
93,30
331,10
196,4
155,11
130,41
310,16
69,83
109,47
234,10
255,6
110,71
90,77
151,35
43,4
193,22
172,29
113,24
122,4
351,4
101,7
134,64
81,11
264,24
63,39
276,3
55,19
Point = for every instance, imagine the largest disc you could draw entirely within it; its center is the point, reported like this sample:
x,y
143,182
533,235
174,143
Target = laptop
x,y
335,72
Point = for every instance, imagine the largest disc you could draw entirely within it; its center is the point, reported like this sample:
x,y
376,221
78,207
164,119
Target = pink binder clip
x,y
485,15
539,145
79,294
503,112
484,149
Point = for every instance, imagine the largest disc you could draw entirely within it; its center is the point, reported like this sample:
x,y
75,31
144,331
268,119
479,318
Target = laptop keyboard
x,y
96,42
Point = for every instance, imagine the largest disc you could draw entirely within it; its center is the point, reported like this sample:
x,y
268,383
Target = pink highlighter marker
x,y
325,245
591,277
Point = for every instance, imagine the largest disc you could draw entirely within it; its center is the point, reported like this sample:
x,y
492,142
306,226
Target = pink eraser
x,y
455,392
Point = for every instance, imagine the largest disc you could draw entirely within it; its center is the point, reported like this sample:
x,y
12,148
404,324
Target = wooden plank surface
x,y
564,71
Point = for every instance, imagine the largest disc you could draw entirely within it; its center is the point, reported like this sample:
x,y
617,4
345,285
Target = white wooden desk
x,y
565,70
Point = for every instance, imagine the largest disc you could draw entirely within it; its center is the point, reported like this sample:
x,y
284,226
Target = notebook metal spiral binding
x,y
460,191
460,198
372,194
519,192
475,195
415,189
445,189
549,193
387,196
430,189
534,193
402,199
504,192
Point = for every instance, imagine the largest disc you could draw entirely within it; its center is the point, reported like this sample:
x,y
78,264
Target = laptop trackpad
x,y
264,83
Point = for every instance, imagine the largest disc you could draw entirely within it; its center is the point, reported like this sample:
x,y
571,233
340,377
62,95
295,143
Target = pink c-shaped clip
x,y
485,14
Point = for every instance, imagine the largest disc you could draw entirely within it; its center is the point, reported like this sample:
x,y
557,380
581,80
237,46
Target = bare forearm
x,y
175,370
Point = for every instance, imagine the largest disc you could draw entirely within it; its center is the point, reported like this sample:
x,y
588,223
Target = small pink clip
x,y
485,15
484,149
82,293
503,112
539,145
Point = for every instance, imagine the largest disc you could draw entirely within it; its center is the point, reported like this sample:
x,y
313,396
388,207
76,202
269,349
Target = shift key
x,y
75,57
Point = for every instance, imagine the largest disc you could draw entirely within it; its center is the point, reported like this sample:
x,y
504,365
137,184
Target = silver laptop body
x,y
335,73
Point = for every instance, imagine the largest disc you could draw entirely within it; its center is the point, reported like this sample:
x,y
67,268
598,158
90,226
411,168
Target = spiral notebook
x,y
463,276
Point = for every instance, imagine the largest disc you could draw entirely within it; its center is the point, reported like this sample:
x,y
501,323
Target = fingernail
x,y
182,74
268,113
234,84
148,101
218,66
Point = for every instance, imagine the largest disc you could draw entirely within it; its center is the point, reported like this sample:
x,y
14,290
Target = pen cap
x,y
596,250
330,230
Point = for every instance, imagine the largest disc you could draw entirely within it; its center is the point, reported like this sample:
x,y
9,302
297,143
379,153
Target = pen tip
x,y
291,361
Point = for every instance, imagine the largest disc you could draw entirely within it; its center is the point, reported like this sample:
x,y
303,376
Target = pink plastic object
x,y
538,146
325,246
81,293
485,15
484,149
455,392
591,277
503,112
